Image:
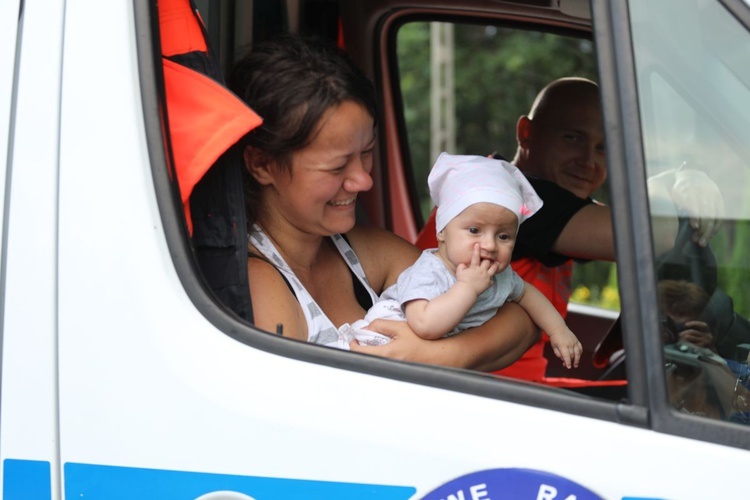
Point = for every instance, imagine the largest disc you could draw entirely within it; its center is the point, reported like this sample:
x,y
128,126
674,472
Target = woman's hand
x,y
405,345
490,347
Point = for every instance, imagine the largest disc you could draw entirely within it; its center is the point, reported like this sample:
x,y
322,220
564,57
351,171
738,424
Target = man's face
x,y
567,147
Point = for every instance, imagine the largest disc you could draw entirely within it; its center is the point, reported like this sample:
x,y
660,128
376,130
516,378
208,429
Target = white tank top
x,y
320,329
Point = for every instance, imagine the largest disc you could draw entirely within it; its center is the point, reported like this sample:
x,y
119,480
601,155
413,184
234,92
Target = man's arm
x,y
588,235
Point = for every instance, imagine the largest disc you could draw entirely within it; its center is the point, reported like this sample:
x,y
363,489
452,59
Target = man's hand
x,y
698,198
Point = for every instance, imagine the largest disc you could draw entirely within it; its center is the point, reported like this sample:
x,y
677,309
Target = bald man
x,y
561,148
561,151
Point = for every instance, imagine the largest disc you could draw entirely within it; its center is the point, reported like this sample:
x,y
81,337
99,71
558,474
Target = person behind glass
x,y
681,307
462,283
561,151
311,268
681,304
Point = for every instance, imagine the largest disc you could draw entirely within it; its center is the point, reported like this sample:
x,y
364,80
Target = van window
x,y
460,84
464,87
694,86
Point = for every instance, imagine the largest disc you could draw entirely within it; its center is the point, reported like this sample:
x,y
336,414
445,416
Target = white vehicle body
x,y
116,383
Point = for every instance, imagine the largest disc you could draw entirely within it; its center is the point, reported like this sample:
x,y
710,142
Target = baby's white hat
x,y
458,181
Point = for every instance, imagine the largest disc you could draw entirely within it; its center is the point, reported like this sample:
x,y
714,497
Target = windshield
x,y
694,97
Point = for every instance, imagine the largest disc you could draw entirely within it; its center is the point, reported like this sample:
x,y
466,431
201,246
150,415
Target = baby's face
x,y
492,226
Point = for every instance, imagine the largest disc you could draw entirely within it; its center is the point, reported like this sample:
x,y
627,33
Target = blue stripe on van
x,y
125,483
26,480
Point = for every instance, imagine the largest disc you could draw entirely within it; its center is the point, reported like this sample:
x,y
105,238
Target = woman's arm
x,y
490,347
276,305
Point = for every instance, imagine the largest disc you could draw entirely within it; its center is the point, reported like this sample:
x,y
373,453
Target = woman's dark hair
x,y
291,81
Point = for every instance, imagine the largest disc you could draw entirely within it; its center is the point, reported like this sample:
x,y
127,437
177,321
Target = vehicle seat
x,y
427,237
205,123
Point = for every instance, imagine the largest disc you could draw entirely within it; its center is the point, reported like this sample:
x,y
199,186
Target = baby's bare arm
x,y
564,342
432,319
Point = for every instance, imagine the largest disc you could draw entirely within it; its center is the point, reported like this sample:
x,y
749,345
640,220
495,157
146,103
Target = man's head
x,y
562,137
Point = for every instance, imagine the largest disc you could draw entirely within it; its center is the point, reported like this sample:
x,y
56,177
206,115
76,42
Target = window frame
x,y
393,128
648,406
631,215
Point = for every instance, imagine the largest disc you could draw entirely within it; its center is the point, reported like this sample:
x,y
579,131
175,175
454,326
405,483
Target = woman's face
x,y
320,194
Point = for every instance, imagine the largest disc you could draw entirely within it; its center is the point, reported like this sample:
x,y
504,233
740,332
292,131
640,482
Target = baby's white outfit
x,y
429,277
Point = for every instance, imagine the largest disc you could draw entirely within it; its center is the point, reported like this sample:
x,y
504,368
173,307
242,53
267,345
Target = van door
x,y
30,72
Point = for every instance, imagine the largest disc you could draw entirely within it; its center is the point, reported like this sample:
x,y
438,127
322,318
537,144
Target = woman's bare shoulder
x,y
273,301
383,254
260,268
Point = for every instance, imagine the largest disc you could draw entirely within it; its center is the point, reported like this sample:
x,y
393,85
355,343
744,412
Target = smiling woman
x,y
306,165
101,273
337,161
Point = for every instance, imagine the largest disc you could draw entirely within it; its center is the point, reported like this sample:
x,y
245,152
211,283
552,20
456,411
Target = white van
x,y
125,374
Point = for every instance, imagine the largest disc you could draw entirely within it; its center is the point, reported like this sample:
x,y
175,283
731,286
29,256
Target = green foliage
x,y
498,72
595,284
413,50
733,261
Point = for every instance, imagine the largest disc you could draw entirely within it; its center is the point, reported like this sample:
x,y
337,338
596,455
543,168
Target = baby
x,y
461,284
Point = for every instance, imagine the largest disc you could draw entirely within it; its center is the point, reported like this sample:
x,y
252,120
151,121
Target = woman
x,y
306,164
